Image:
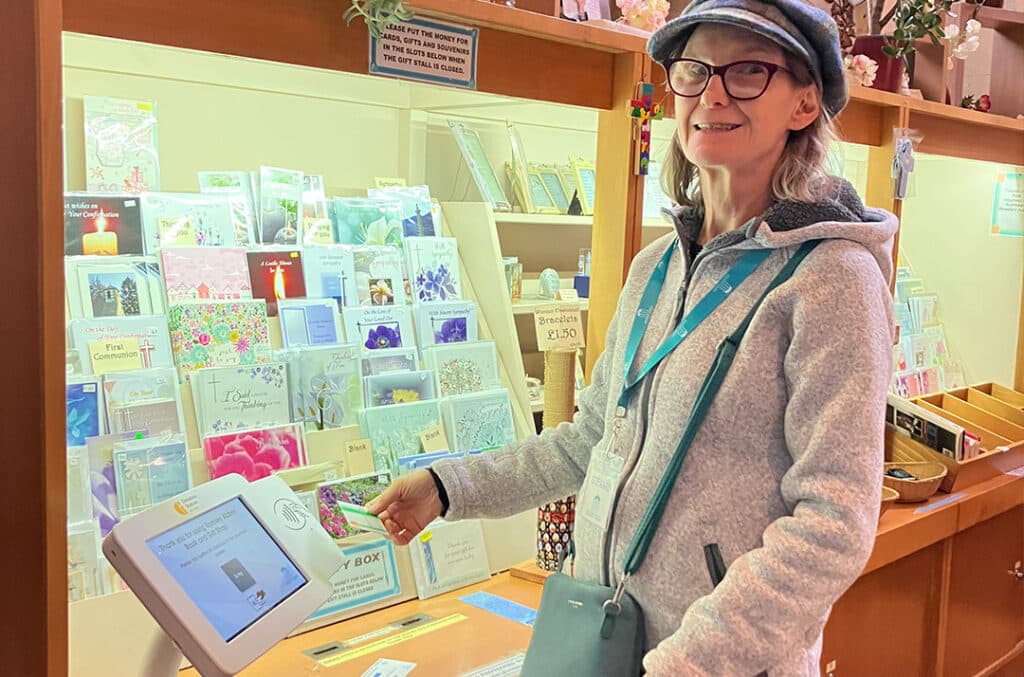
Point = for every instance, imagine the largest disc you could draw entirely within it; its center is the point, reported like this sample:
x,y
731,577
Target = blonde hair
x,y
802,174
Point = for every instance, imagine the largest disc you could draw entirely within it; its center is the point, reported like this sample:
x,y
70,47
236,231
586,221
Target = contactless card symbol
x,y
291,513
239,575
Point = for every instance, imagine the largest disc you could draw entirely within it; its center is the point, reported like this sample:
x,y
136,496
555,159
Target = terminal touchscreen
x,y
227,569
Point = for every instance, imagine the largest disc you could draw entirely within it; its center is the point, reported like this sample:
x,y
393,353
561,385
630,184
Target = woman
x,y
781,488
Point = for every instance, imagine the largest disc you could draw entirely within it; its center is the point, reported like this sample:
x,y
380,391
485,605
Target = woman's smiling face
x,y
719,132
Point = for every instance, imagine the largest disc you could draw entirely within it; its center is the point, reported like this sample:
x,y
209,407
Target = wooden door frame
x,y
33,627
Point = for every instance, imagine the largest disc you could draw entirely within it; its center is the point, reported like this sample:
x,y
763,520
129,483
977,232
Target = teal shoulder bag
x,y
595,630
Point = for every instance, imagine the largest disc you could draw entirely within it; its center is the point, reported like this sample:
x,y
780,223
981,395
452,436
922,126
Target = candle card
x,y
276,274
106,225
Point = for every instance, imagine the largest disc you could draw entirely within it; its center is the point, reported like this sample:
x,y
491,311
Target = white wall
x,y
946,238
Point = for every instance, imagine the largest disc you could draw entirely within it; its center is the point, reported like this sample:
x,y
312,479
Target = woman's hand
x,y
407,506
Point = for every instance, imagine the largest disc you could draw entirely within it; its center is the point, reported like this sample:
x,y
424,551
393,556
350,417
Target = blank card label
x,y
428,51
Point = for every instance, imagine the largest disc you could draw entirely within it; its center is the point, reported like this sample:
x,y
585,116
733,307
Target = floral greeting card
x,y
325,386
187,220
237,188
359,220
464,367
101,478
254,454
356,490
120,145
446,322
84,410
434,268
394,430
398,388
379,276
237,398
218,334
205,273
275,275
105,225
479,420
377,328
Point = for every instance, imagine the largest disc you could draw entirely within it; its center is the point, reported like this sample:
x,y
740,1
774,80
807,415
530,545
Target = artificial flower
x,y
648,15
981,103
861,69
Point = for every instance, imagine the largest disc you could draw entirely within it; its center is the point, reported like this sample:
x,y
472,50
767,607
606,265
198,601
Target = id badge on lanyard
x,y
597,496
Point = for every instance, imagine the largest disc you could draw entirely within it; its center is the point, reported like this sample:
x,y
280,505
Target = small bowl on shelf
x,y
916,481
889,496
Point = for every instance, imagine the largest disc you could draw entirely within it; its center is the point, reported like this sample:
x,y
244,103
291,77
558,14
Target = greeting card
x,y
218,334
105,225
366,221
434,268
83,561
317,228
120,145
149,471
144,400
417,215
387,360
280,199
121,343
79,493
255,453
103,485
187,220
446,322
109,286
240,398
377,328
398,387
447,556
236,187
479,420
84,399
205,273
275,275
310,322
379,276
464,367
330,274
394,431
356,490
324,384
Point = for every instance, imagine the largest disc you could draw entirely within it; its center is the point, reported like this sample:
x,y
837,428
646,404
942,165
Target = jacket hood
x,y
840,216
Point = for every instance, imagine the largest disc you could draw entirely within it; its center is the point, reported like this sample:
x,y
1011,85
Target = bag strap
x,y
712,382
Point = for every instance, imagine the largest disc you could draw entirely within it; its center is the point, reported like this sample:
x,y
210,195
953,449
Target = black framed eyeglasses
x,y
743,80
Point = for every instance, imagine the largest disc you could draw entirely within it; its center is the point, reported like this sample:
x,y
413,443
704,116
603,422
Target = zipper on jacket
x,y
715,563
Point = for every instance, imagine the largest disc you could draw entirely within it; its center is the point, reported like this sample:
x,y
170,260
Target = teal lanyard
x,y
740,271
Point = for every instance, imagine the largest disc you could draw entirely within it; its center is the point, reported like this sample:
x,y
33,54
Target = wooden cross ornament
x,y
643,110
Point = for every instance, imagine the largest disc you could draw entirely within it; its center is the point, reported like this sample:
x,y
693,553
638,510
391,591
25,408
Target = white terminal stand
x,y
227,570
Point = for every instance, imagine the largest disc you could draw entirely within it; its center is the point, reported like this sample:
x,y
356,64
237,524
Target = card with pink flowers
x,y
239,398
255,454
199,273
218,334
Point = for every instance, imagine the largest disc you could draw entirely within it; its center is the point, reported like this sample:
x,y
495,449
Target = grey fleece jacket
x,y
785,474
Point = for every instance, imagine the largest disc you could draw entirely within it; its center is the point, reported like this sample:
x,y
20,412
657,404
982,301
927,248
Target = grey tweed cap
x,y
799,28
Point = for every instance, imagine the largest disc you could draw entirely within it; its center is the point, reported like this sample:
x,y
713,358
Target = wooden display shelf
x,y
998,18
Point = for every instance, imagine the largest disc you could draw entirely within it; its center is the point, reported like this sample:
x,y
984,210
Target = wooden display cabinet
x,y
596,66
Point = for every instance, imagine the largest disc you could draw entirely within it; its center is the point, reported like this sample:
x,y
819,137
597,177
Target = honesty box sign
x,y
437,52
368,574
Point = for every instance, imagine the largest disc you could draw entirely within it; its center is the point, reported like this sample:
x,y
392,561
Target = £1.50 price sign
x,y
559,328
